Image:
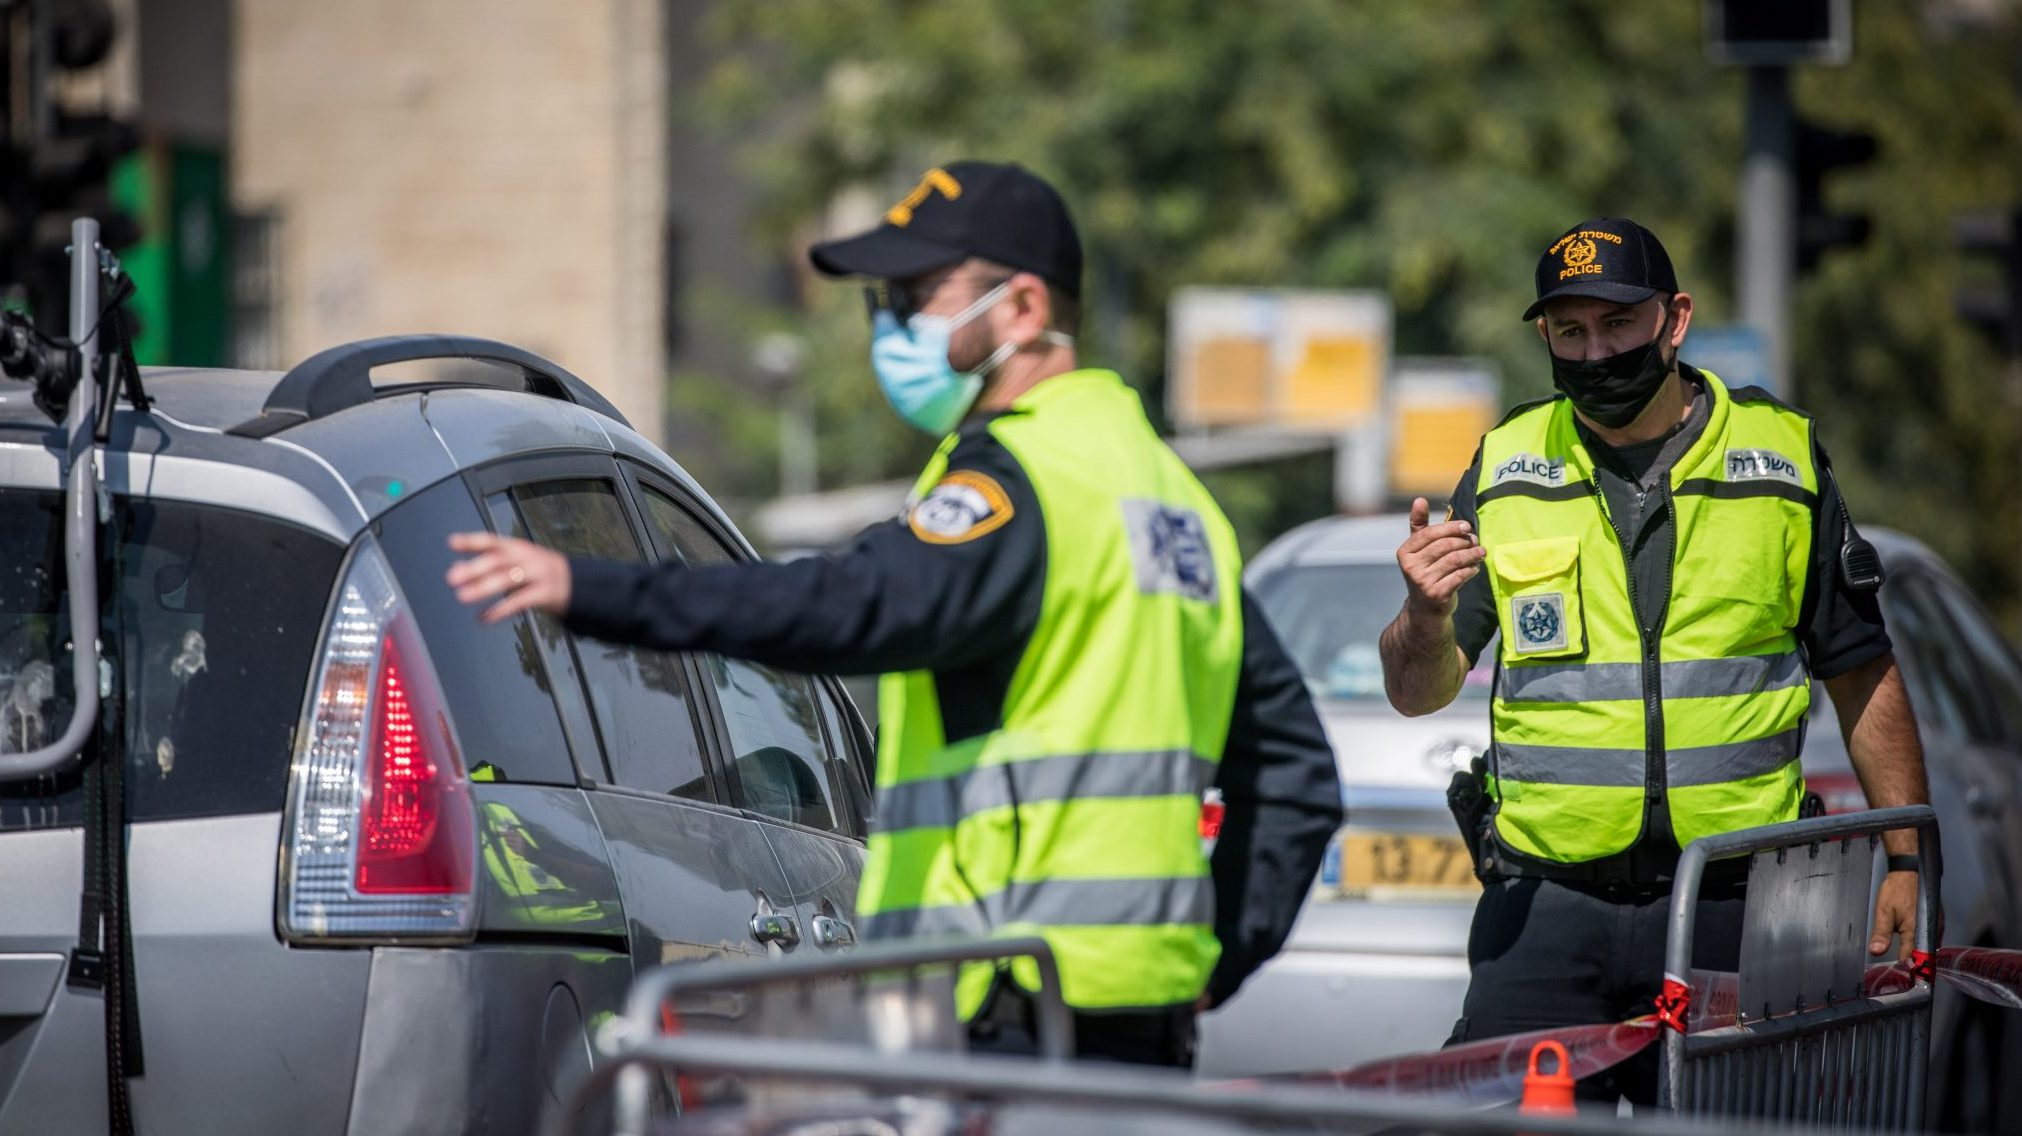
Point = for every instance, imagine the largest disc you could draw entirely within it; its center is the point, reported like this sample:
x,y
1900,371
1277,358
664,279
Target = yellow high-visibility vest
x,y
1078,818
1586,699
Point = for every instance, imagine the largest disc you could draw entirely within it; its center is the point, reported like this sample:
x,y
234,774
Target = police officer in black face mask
x,y
1667,564
1596,327
1601,287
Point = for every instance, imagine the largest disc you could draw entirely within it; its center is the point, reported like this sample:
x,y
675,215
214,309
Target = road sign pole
x,y
1766,256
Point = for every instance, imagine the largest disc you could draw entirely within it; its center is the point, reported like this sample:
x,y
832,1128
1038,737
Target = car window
x,y
1938,674
558,652
1329,617
492,675
1993,661
214,630
853,771
640,698
782,766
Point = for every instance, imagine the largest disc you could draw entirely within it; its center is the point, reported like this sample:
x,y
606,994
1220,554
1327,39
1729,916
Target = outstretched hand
x,y
529,577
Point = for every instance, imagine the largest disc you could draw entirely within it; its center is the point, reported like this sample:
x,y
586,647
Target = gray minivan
x,y
388,866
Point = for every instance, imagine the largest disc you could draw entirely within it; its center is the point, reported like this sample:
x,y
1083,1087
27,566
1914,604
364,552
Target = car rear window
x,y
213,626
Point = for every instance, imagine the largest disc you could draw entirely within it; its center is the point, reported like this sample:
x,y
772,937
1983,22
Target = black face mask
x,y
1611,392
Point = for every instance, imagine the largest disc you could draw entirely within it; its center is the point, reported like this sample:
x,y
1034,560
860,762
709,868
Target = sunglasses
x,y
891,296
904,303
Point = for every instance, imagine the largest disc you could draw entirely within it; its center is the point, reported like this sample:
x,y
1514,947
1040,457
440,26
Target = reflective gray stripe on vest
x,y
943,801
1712,765
1623,682
1623,768
1060,903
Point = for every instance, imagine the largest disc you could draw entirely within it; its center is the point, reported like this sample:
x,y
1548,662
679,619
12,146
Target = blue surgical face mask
x,y
911,361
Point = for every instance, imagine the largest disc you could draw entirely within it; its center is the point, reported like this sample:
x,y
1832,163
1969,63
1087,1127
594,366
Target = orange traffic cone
x,y
1548,1092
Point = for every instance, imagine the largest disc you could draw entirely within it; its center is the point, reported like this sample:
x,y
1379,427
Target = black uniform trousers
x,y
1008,1024
1546,954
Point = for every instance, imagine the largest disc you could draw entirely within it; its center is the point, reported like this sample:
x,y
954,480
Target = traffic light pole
x,y
1766,237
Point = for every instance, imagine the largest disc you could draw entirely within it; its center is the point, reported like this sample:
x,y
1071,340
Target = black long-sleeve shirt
x,y
955,586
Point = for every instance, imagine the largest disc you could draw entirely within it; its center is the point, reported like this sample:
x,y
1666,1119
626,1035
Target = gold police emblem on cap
x,y
1580,252
934,179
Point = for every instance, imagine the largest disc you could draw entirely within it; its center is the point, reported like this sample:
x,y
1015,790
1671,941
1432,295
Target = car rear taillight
x,y
1841,792
381,829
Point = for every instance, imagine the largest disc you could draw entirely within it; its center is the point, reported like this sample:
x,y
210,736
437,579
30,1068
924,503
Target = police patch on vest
x,y
1169,548
1762,465
1531,468
960,507
1540,622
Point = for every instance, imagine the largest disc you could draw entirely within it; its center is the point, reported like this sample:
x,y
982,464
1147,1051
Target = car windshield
x,y
1329,616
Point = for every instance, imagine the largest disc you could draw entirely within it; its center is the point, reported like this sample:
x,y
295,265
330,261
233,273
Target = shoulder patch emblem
x,y
1532,468
1762,465
1169,549
959,508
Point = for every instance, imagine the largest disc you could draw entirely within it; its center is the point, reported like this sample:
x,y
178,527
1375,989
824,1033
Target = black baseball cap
x,y
999,212
1608,258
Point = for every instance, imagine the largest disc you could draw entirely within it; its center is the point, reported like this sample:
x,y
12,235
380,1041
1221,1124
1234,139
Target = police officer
x,y
1070,658
1668,565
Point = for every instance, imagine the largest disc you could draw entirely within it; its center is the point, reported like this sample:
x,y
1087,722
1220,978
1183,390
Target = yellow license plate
x,y
1377,863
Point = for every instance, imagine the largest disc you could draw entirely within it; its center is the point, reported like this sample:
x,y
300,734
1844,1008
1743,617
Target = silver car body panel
x,y
231,486
238,1029
482,426
29,465
172,477
693,876
383,453
483,1040
822,872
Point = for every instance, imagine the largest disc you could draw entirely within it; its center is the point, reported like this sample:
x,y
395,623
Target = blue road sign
x,y
1735,352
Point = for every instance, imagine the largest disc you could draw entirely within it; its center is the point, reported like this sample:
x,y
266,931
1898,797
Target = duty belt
x,y
1642,868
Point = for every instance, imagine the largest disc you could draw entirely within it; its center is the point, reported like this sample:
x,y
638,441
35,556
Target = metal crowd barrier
x,y
878,1000
1807,1047
876,1088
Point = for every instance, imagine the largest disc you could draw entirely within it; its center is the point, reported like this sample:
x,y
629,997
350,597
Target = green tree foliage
x,y
1923,415
1429,149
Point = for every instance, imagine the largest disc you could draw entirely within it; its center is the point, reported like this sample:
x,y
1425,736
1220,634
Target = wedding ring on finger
x,y
517,575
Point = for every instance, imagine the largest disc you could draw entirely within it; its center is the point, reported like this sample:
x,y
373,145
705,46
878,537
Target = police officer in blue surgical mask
x,y
1069,657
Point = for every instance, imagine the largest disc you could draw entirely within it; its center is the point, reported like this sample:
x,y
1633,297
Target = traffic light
x,y
55,162
1993,301
1820,152
1780,33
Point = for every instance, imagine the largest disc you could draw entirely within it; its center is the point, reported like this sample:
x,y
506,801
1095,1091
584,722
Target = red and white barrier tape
x,y
1492,1072
1987,973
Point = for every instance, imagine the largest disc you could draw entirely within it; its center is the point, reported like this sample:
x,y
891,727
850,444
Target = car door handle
x,y
831,933
775,928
